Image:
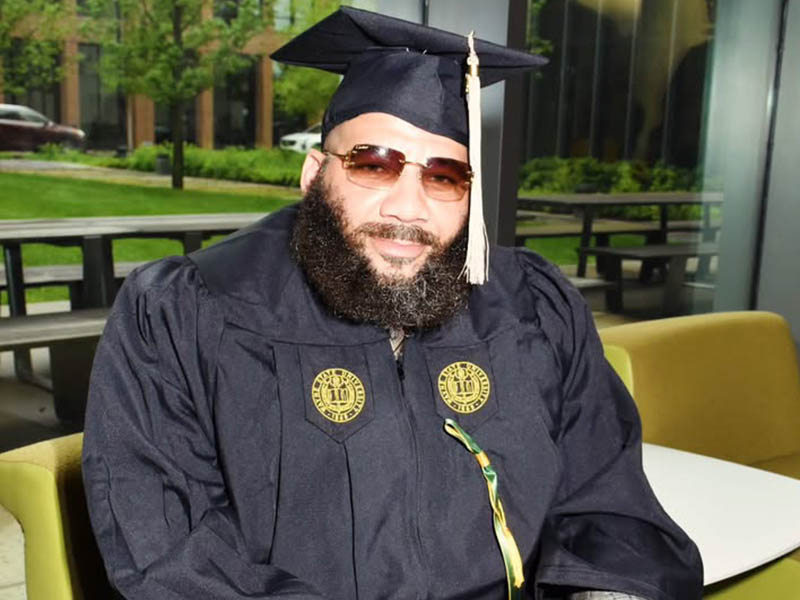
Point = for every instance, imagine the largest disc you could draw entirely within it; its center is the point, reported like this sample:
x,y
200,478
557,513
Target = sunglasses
x,y
379,168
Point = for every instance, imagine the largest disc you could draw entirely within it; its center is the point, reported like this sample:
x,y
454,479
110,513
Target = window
x,y
102,110
32,116
646,96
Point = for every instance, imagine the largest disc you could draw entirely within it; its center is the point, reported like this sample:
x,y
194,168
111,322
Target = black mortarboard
x,y
416,73
397,67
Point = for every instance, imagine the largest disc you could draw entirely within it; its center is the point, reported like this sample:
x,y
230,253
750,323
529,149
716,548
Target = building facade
x,y
238,113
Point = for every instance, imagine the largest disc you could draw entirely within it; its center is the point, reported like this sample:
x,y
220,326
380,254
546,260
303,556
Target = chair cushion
x,y
724,384
779,580
41,486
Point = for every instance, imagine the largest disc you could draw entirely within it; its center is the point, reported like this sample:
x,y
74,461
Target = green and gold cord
x,y
511,557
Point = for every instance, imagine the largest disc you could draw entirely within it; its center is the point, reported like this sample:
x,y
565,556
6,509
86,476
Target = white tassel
x,y
476,266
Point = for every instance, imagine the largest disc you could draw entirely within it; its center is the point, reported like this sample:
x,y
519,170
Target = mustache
x,y
408,233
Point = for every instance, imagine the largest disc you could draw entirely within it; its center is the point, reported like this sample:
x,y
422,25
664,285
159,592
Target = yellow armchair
x,y
779,580
723,384
41,486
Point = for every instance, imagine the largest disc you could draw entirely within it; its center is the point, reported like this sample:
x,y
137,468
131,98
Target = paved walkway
x,y
130,177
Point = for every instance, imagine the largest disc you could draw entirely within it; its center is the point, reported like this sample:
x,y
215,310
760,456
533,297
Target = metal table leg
x,y
708,235
192,240
660,236
672,288
99,286
613,265
586,239
15,286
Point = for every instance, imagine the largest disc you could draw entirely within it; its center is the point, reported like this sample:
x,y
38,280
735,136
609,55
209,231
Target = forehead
x,y
382,129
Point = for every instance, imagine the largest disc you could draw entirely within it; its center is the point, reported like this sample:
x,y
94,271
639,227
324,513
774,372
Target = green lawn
x,y
39,196
564,250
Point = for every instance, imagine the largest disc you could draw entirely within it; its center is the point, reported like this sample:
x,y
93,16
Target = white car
x,y
303,141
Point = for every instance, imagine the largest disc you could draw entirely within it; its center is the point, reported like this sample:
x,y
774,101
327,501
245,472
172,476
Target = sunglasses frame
x,y
347,162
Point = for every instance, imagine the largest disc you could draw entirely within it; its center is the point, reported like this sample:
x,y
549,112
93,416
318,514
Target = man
x,y
297,411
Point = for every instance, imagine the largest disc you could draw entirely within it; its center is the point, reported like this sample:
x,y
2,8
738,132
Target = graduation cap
x,y
426,76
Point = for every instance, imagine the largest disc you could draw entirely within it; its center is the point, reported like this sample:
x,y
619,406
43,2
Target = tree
x,y
171,50
32,33
534,43
303,91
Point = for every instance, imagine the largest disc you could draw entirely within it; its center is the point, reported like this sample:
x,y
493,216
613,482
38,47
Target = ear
x,y
311,167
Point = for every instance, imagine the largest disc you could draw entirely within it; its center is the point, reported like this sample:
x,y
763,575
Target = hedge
x,y
549,175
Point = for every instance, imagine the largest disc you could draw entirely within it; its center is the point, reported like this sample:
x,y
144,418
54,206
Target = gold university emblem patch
x,y
464,387
338,395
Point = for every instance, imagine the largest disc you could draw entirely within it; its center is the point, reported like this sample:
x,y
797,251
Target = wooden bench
x,y
69,275
676,256
585,284
700,285
601,230
71,338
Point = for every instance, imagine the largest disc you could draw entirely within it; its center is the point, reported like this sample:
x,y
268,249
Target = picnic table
x,y
94,235
676,256
587,205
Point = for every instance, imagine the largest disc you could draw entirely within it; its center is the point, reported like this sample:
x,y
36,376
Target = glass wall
x,y
163,128
234,110
46,101
102,110
663,101
625,80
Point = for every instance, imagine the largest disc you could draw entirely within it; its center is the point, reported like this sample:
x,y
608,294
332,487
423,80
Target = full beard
x,y
333,260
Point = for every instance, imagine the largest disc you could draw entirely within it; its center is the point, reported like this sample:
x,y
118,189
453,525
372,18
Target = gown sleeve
x,y
155,491
605,529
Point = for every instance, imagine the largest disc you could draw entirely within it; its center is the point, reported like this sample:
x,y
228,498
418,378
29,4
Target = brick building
x,y
238,113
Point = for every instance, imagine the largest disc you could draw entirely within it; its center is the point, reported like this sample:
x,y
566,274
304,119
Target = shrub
x,y
553,175
546,175
276,166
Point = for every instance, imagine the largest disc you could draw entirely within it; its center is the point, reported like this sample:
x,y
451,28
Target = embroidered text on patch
x,y
338,395
464,387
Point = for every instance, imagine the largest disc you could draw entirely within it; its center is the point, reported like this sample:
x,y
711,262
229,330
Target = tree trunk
x,y
176,108
176,121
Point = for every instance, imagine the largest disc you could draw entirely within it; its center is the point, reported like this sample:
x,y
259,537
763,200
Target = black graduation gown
x,y
210,471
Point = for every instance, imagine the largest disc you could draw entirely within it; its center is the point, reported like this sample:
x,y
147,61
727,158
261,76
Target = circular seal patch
x,y
338,395
464,387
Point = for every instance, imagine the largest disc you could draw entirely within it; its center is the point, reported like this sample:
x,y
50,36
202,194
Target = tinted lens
x,y
445,178
379,167
374,166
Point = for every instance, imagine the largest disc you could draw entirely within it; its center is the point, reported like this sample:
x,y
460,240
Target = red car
x,y
22,128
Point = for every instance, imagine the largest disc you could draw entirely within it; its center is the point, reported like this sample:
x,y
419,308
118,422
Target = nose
x,y
406,200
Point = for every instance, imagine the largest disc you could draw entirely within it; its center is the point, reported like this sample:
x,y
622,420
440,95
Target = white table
x,y
739,517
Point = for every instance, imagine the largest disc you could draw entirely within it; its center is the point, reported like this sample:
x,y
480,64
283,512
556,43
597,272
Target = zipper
x,y
414,514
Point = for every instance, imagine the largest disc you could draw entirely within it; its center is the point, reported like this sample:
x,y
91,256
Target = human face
x,y
404,207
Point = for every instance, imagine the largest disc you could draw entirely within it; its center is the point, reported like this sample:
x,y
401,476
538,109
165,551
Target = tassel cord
x,y
505,539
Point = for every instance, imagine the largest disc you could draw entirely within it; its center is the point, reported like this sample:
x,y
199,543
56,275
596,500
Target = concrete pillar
x,y
204,120
70,92
736,136
778,282
264,106
141,121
